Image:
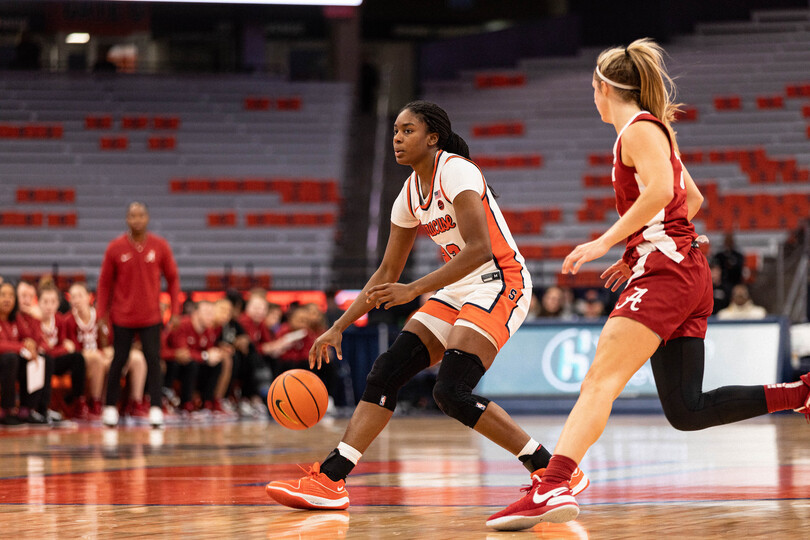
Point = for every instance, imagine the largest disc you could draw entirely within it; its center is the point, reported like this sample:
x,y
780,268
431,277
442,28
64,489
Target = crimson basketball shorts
x,y
490,308
671,299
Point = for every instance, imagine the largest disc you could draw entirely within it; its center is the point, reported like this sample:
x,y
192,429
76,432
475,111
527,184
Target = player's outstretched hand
x,y
616,274
319,353
389,295
583,253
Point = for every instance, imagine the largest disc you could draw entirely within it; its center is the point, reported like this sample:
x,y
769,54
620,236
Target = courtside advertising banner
x,y
550,360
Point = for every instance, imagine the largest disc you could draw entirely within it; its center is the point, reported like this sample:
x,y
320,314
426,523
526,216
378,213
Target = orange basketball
x,y
297,399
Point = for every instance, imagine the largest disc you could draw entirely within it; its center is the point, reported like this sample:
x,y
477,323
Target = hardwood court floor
x,y
424,478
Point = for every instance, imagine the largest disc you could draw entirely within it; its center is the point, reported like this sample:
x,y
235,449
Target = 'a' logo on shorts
x,y
634,299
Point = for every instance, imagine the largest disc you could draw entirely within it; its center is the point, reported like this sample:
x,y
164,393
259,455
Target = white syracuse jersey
x,y
434,210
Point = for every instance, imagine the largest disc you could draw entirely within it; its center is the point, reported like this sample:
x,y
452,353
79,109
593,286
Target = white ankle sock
x,y
529,449
348,452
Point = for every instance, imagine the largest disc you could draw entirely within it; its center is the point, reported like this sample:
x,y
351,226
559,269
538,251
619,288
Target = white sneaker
x,y
109,416
156,417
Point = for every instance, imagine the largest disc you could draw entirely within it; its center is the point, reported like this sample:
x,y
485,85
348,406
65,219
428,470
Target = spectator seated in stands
x,y
741,307
246,361
27,298
193,357
591,306
295,339
66,357
722,295
254,321
21,342
731,262
554,304
94,340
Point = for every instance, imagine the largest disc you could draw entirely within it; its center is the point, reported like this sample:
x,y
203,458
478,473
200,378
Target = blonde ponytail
x,y
642,77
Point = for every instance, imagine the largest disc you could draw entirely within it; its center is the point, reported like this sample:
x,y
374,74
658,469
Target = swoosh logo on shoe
x,y
284,414
539,498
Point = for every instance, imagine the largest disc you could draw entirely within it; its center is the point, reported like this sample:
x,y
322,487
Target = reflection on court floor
x,y
424,478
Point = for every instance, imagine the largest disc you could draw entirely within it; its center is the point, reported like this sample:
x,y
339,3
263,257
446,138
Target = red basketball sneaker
x,y
579,480
805,409
315,491
542,503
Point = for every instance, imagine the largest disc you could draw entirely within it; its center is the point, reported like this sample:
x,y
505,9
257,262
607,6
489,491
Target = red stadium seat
x,y
21,219
503,129
728,103
46,195
687,114
98,122
113,143
288,104
257,103
134,122
63,220
770,102
222,219
161,143
692,156
798,90
483,80
600,159
166,122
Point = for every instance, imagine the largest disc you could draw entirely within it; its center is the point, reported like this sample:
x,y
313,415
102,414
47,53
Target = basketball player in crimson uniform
x,y
482,297
21,342
63,349
93,339
129,296
661,314
194,358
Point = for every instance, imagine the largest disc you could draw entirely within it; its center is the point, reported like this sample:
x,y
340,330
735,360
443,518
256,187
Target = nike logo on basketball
x,y
287,416
539,498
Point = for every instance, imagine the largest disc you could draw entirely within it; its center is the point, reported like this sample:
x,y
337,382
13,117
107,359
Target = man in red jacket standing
x,y
129,295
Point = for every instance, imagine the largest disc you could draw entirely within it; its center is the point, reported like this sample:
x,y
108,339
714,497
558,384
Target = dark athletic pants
x,y
122,343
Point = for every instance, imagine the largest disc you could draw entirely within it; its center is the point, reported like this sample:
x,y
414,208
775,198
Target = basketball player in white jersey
x,y
483,294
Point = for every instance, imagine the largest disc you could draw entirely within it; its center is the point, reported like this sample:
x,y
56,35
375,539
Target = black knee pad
x,y
393,368
458,375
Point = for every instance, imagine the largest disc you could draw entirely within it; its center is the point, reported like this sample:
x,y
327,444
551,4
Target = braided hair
x,y
438,122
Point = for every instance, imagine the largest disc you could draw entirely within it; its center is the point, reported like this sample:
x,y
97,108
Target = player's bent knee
x,y
458,375
406,357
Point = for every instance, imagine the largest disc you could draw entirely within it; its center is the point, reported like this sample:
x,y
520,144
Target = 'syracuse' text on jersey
x,y
434,210
670,231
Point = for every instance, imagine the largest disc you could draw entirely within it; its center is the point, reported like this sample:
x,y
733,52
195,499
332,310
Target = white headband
x,y
612,83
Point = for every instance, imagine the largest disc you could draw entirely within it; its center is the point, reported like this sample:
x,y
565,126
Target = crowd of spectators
x,y
217,358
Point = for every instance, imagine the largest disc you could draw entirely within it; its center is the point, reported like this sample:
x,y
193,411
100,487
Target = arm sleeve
x,y
172,278
105,283
401,215
461,175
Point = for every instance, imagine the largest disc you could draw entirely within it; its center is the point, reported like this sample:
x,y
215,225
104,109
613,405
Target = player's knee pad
x,y
459,373
393,368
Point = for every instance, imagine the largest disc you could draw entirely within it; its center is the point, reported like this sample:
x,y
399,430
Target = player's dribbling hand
x,y
617,273
389,295
319,353
583,253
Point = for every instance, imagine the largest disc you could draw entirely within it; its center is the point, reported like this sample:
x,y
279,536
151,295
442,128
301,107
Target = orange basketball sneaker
x,y
315,491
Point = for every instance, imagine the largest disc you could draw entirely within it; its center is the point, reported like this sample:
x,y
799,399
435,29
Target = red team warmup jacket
x,y
129,284
12,333
55,335
90,337
258,333
185,336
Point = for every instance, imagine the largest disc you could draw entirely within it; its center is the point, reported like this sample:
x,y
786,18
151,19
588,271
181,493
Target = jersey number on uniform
x,y
449,251
634,299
